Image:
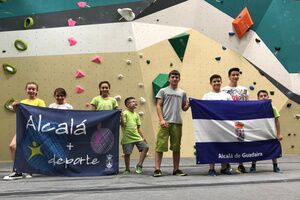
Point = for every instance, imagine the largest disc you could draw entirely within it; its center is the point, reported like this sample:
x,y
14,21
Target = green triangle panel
x,y
179,44
159,82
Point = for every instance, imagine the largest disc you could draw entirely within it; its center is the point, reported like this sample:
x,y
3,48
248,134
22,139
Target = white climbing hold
x,y
142,100
141,85
118,97
141,113
120,76
128,62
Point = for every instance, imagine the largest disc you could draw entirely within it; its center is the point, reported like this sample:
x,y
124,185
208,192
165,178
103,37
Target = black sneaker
x,y
178,172
226,171
13,176
252,169
241,169
276,169
212,172
157,173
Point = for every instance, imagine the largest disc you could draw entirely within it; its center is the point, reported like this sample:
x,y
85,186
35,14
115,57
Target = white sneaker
x,y
13,176
27,175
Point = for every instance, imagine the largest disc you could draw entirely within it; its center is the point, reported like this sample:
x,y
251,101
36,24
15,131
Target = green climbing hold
x,y
20,45
179,44
28,22
8,105
9,68
159,82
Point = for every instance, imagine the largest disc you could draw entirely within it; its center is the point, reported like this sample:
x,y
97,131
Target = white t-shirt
x,y
217,96
238,93
64,106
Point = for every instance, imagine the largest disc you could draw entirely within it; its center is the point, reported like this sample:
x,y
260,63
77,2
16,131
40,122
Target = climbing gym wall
x,y
76,45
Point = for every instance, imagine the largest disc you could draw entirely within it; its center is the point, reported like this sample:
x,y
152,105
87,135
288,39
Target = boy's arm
x,y
277,124
186,105
159,106
140,132
122,122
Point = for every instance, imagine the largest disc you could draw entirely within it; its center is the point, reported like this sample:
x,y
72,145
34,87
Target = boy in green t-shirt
x,y
132,135
264,95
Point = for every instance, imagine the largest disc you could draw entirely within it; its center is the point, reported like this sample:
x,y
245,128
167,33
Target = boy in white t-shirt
x,y
60,96
216,94
238,93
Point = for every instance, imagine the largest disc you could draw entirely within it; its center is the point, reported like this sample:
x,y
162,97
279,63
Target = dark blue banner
x,y
67,142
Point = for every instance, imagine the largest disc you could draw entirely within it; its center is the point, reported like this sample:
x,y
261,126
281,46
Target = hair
x,y
214,76
174,72
32,83
234,69
60,91
128,99
104,82
262,91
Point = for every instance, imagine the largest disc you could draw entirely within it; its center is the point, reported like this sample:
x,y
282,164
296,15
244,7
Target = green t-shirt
x,y
130,132
34,102
104,104
275,112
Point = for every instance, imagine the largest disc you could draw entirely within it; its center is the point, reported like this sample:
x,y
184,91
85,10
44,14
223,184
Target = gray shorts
x,y
127,148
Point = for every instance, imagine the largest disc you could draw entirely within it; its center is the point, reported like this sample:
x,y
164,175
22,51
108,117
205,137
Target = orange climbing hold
x,y
242,23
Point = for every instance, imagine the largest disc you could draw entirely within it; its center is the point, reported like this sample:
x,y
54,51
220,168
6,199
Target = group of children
x,y
171,101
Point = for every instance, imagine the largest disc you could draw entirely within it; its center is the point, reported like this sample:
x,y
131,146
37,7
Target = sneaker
x,y
241,169
13,176
25,175
252,169
178,172
276,169
212,172
225,171
126,172
139,169
157,173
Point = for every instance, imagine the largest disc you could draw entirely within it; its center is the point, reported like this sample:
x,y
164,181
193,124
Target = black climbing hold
x,y
254,83
231,33
224,48
289,134
288,105
272,92
257,40
148,62
277,48
218,58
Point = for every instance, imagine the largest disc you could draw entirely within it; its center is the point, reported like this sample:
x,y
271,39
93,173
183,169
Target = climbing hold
x,y
97,59
277,48
148,62
179,44
8,105
292,146
294,134
118,97
3,1
160,81
141,85
272,92
231,33
288,105
257,40
254,83
251,87
241,72
142,100
71,22
297,116
28,22
289,134
72,41
3,51
9,68
141,55
20,45
171,64
79,74
130,39
120,76
224,48
128,62
126,13
141,113
79,89
82,4
218,58
242,22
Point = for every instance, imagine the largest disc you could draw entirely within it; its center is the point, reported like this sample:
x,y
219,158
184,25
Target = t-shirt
x,y
238,93
64,106
104,104
275,112
130,132
217,96
173,99
34,102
